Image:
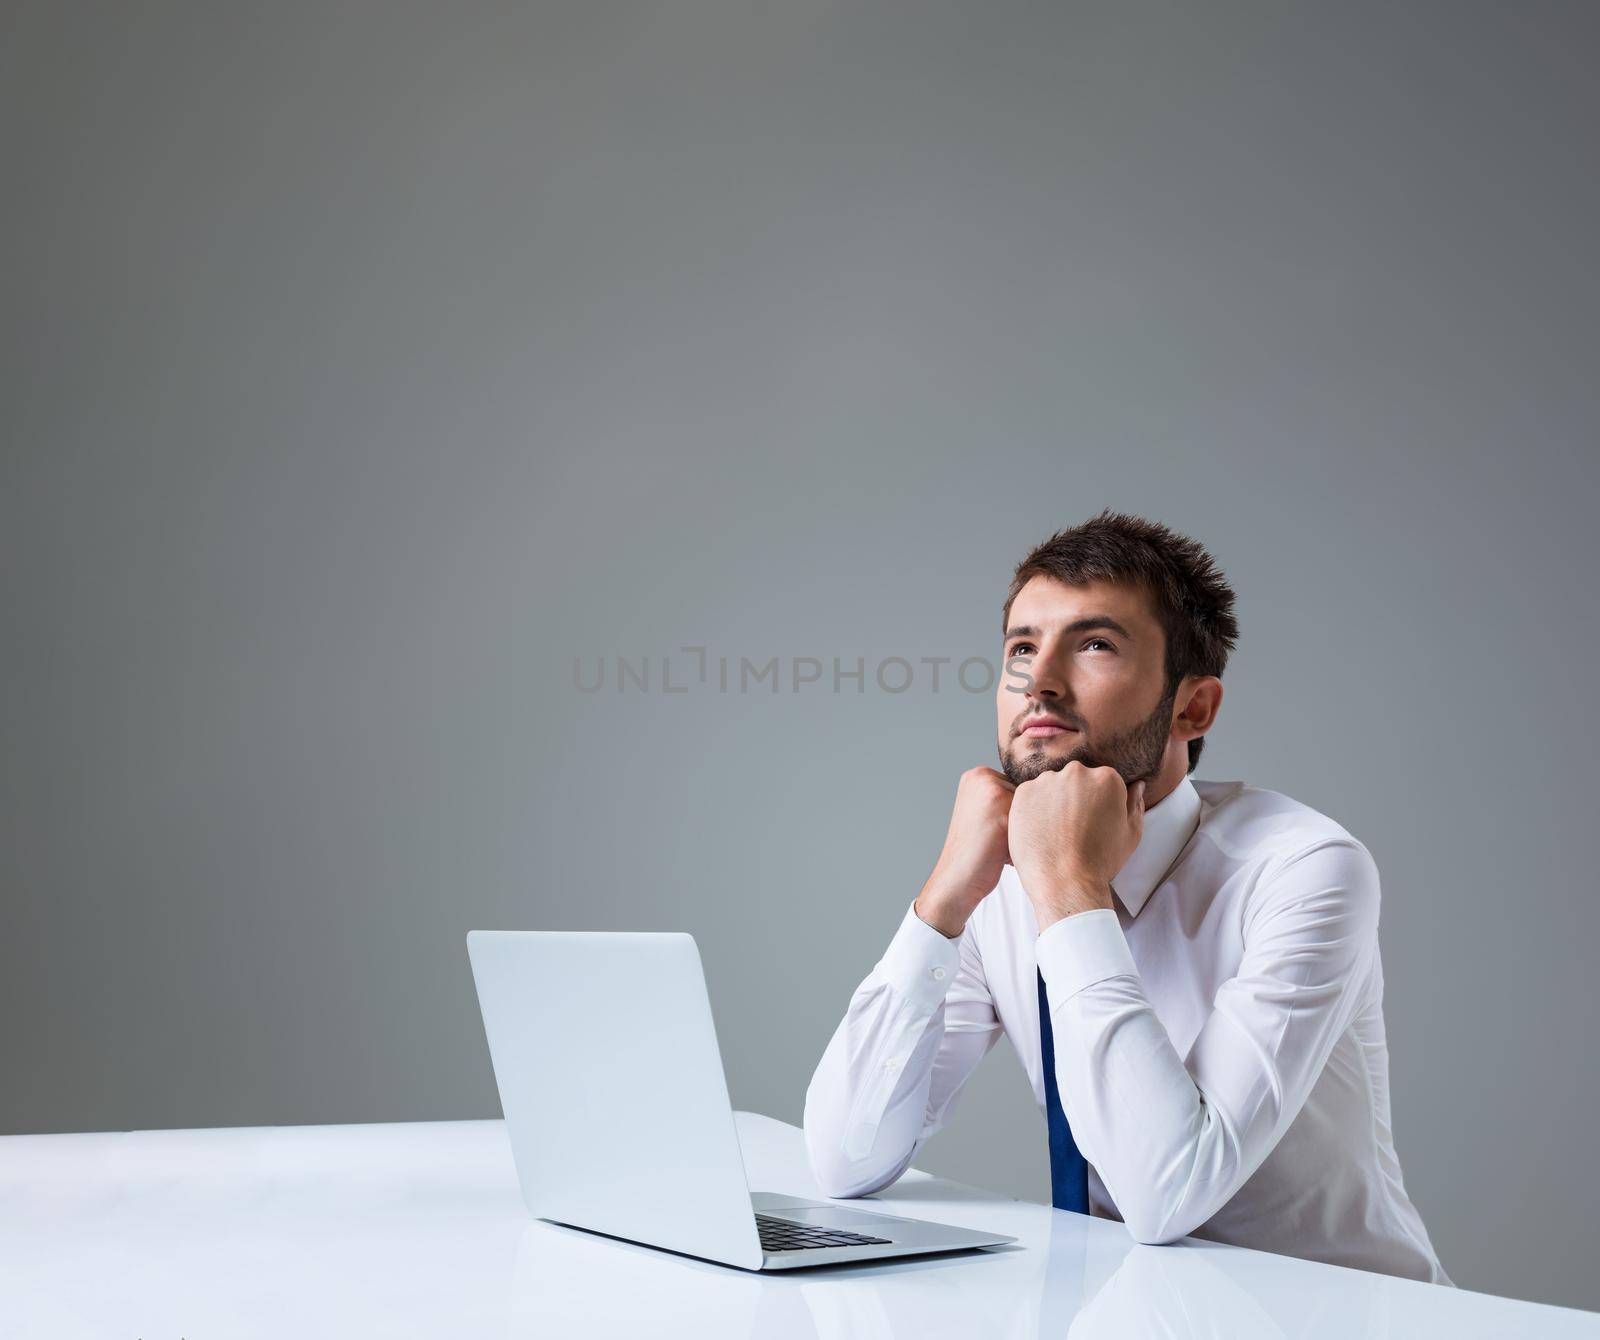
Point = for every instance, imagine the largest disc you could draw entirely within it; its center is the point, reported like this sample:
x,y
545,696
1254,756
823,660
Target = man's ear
x,y
1201,699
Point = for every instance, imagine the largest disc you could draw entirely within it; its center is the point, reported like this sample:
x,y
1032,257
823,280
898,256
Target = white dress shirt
x,y
1219,1039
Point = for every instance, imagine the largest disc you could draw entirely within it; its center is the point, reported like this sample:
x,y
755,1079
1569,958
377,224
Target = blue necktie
x,y
1069,1173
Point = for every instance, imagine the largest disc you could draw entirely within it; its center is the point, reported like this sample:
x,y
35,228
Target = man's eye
x,y
1100,640
1022,649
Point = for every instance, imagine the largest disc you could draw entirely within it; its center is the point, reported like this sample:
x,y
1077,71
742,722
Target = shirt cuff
x,y
1080,950
920,961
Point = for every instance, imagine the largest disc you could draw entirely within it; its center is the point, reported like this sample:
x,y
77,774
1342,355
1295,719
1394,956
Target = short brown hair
x,y
1193,603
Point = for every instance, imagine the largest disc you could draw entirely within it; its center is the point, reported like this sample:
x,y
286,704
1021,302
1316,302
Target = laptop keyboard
x,y
784,1235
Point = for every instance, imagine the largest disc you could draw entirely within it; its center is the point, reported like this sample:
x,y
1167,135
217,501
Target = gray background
x,y
364,366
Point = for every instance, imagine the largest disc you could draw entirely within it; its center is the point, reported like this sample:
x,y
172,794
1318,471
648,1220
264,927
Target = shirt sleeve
x,y
1174,1137
912,1034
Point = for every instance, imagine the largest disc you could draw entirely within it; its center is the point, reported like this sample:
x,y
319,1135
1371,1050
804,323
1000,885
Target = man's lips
x,y
1041,728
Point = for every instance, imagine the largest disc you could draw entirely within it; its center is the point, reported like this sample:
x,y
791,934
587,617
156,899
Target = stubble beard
x,y
1135,753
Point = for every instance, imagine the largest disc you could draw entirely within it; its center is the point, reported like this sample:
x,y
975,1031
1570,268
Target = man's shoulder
x,y
1287,855
1265,827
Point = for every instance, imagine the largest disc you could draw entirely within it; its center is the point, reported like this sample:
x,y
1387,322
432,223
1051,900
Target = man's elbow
x,y
836,1186
1201,1176
1152,1232
824,1154
837,1177
840,1180
1154,1223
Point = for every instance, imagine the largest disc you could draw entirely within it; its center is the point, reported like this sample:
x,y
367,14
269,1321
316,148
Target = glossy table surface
x,y
419,1230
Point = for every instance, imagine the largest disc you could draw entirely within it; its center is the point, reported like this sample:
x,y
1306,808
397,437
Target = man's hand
x,y
1070,832
974,852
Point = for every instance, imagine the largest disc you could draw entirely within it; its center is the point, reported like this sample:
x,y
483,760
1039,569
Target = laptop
x,y
617,1107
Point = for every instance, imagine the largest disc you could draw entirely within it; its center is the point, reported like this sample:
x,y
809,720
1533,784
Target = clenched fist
x,y
974,852
1070,832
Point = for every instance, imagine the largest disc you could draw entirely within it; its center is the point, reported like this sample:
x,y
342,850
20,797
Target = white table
x,y
418,1230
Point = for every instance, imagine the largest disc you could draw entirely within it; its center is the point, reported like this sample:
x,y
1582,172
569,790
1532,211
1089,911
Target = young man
x,y
1188,969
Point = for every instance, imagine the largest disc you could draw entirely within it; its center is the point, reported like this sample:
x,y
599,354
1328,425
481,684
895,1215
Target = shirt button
x,y
938,974
891,1065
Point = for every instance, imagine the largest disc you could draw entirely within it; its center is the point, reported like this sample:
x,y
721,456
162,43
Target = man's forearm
x,y
1172,1136
867,1101
944,919
862,1127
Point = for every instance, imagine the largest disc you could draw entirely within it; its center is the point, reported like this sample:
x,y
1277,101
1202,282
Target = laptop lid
x,y
611,1082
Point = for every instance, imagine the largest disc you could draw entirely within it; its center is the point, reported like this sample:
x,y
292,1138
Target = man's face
x,y
1094,657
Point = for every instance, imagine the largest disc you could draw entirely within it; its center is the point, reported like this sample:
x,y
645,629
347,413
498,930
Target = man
x,y
1188,969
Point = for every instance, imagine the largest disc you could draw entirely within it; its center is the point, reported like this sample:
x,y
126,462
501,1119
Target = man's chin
x,y
1024,767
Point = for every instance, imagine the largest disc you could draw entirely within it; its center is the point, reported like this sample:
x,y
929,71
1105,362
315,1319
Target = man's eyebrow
x,y
1082,625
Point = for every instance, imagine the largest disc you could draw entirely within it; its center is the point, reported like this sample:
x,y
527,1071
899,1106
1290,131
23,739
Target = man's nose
x,y
1048,681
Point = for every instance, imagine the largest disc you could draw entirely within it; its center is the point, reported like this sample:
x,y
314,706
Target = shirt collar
x,y
1168,826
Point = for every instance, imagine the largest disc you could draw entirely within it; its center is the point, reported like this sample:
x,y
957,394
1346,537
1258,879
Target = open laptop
x,y
617,1107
